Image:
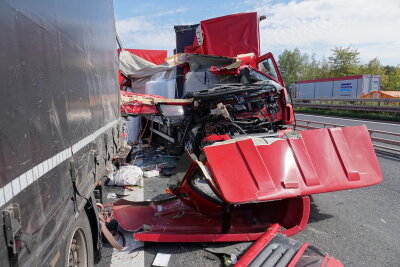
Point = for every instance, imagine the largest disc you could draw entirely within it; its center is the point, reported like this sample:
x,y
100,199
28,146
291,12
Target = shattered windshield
x,y
268,67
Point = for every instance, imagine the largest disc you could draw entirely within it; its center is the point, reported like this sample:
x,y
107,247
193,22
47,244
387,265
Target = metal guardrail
x,y
371,132
391,105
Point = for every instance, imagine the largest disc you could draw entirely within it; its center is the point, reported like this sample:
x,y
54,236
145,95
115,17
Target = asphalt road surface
x,y
360,227
372,125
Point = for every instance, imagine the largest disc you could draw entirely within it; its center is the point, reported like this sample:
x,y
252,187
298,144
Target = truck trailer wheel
x,y
79,244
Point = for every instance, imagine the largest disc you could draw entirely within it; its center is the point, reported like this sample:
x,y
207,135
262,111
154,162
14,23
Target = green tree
x,y
394,79
296,66
344,61
291,65
311,68
324,69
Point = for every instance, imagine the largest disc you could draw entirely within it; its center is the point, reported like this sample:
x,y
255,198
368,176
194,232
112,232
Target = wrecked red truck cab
x,y
245,169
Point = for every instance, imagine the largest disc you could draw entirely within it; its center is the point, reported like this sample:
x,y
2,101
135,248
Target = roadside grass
x,y
383,116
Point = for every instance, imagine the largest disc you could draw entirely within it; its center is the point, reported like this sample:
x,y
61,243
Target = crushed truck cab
x,y
245,169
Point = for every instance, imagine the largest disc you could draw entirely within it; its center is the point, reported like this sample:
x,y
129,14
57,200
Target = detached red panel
x,y
173,220
257,247
231,35
274,249
319,161
156,56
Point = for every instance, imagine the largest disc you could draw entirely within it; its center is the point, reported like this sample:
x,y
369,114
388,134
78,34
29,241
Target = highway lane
x,y
373,125
361,227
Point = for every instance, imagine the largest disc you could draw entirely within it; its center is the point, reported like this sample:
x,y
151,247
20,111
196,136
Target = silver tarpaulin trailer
x,y
340,87
59,106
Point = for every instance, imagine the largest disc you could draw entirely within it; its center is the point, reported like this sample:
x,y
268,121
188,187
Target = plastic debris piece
x,y
229,260
161,259
234,259
111,195
152,173
167,171
127,175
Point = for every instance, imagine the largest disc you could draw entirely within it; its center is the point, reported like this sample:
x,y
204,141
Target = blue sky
x,y
189,10
314,26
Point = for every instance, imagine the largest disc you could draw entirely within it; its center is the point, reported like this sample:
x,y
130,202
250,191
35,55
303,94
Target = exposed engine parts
x,y
227,110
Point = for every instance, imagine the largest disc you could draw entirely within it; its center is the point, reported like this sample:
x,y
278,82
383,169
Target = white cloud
x,y
316,26
146,32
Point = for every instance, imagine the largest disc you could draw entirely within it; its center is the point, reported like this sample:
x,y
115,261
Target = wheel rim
x,y
77,256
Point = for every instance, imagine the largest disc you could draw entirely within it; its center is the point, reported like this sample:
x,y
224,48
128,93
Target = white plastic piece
x,y
171,86
220,110
152,173
234,259
127,175
111,196
161,87
133,126
161,259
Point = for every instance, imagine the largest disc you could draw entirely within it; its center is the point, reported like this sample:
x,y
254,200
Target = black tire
x,y
79,243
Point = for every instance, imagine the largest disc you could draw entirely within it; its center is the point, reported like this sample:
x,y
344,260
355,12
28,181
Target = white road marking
x,y
125,257
386,123
19,183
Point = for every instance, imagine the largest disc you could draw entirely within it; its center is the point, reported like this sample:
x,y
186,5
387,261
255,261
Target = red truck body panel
x,y
240,35
316,161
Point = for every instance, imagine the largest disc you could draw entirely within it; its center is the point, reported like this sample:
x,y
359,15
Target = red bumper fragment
x,y
175,221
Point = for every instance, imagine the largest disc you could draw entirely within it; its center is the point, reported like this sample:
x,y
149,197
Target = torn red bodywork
x,y
176,220
262,170
138,107
144,104
155,56
230,196
236,28
272,249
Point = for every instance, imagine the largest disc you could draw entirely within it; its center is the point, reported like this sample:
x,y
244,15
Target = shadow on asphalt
x,y
315,214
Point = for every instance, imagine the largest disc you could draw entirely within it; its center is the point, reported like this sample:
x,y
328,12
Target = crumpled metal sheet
x,y
173,220
137,67
315,161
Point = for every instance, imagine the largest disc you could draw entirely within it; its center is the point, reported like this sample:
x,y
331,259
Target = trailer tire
x,y
79,244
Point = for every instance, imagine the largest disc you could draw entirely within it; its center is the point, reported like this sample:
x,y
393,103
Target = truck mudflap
x,y
275,249
305,163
